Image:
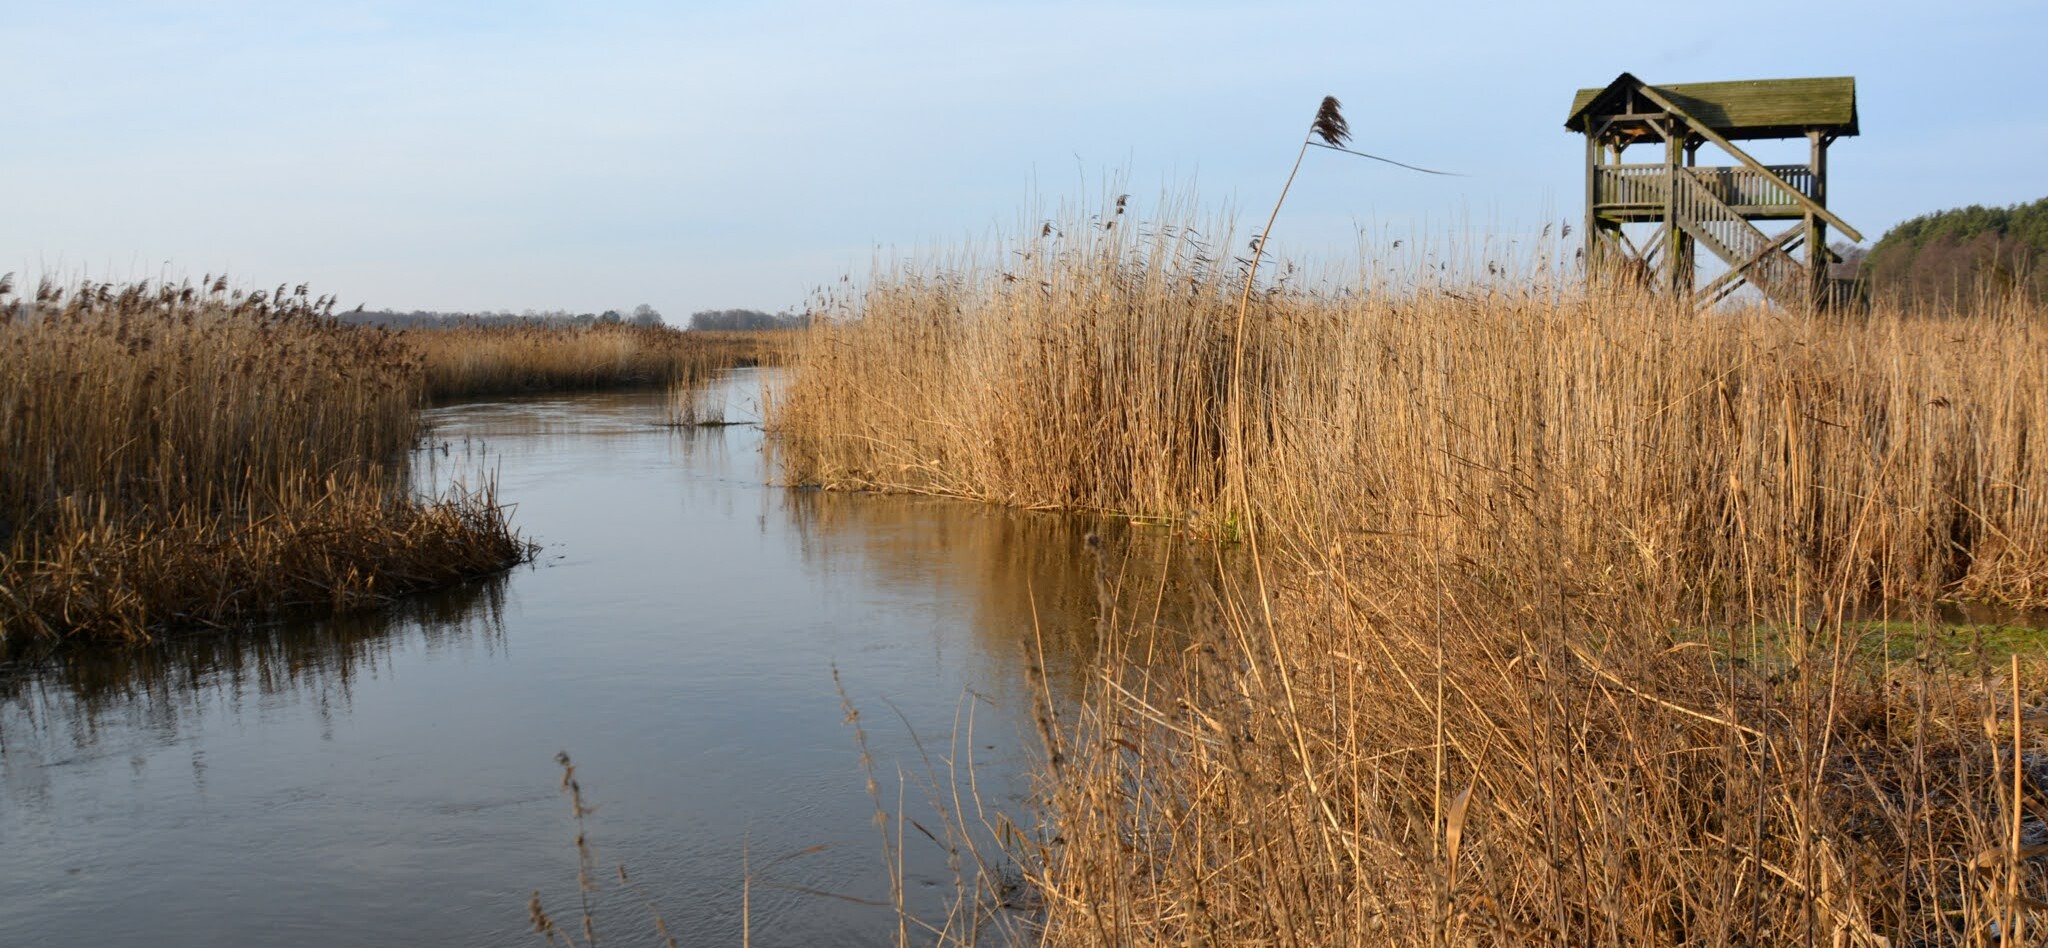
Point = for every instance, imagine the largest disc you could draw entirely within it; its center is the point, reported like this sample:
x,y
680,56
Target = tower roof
x,y
1753,108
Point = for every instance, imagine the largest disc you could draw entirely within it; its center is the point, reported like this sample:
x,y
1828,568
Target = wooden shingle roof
x,y
1756,108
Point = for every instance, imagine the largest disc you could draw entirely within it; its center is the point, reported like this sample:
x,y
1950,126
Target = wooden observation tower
x,y
1716,208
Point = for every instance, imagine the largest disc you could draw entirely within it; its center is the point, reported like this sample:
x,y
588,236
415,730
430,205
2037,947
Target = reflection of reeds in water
x,y
1032,581
1048,598
69,691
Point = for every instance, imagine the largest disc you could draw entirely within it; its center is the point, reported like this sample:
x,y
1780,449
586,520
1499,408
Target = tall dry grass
x,y
1416,752
464,362
181,455
1553,636
1890,455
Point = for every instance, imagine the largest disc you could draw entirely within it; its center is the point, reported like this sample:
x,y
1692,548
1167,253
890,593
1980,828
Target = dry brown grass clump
x,y
1549,640
185,455
471,361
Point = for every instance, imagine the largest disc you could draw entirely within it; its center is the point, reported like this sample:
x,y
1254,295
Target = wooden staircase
x,y
1751,255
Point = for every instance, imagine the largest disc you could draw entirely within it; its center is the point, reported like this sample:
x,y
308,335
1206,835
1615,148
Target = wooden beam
x,y
1727,282
1709,134
1592,251
1816,229
1636,117
1668,231
1819,167
1633,252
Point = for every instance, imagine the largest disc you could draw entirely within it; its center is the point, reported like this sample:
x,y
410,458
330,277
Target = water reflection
x,y
1077,588
161,686
390,777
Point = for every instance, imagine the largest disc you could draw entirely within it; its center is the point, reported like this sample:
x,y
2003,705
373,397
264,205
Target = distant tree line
x,y
1962,255
641,315
746,319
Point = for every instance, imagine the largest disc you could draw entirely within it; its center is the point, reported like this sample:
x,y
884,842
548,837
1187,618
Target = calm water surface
x,y
390,779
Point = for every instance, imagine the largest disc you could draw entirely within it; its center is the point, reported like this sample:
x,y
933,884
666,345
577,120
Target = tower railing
x,y
1642,185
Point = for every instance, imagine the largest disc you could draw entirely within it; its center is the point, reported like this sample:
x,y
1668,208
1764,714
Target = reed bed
x,y
1414,752
1551,635
1889,455
184,455
463,362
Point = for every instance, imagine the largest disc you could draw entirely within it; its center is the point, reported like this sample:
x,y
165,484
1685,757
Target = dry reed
x,y
1889,455
1559,642
184,455
464,362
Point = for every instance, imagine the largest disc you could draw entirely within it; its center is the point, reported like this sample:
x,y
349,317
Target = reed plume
x,y
1329,124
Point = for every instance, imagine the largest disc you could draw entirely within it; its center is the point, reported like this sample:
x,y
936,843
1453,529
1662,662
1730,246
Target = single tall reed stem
x,y
1329,125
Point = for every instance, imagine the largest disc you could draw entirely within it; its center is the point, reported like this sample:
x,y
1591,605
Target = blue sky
x,y
520,155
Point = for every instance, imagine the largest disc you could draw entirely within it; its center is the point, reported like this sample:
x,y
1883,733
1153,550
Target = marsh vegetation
x,y
471,362
199,455
187,455
1465,697
1543,612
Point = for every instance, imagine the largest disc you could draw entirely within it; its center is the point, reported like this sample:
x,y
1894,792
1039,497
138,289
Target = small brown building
x,y
1712,207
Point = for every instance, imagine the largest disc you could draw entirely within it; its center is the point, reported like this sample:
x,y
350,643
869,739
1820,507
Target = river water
x,y
391,778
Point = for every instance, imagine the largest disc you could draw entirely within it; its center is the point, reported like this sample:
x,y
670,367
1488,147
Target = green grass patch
x,y
1959,646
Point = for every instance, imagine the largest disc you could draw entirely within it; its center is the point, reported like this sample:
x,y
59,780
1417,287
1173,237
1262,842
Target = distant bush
x,y
1963,255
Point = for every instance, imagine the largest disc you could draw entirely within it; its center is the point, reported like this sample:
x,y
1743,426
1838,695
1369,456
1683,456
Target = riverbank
x,y
201,457
190,456
1456,707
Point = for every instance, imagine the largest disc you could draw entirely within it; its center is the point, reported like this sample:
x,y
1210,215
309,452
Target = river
x,y
390,778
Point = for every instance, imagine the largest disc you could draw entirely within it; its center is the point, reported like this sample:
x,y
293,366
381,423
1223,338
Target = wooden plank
x,y
1769,212
1592,250
1725,283
1816,231
1668,231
